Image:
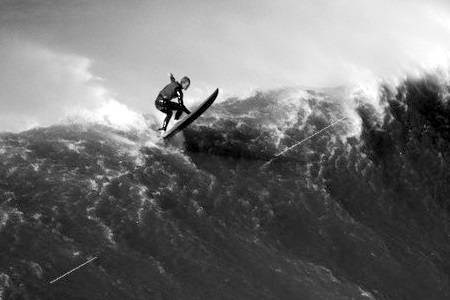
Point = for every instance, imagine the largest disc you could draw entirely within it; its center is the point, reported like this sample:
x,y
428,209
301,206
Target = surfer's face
x,y
185,85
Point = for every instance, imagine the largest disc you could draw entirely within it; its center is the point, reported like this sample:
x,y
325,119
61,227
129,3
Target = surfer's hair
x,y
185,79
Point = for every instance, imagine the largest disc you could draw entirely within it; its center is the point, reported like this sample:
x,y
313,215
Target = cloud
x,y
330,42
41,86
235,45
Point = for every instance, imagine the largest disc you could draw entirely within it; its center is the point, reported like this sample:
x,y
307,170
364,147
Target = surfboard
x,y
188,119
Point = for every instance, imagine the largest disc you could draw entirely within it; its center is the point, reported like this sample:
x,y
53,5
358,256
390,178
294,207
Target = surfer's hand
x,y
171,77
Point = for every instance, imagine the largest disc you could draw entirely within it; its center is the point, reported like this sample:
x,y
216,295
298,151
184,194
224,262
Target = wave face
x,y
341,216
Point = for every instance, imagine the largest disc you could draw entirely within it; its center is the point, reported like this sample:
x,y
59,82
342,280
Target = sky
x,y
58,57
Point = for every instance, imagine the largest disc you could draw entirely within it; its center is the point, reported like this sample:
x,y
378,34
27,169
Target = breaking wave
x,y
358,212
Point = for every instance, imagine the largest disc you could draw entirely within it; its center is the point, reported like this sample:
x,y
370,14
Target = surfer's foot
x,y
161,129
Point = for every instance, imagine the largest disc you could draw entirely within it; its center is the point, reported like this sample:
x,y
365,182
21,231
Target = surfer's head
x,y
185,82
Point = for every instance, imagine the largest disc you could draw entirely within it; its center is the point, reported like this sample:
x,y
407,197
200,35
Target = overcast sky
x,y
58,55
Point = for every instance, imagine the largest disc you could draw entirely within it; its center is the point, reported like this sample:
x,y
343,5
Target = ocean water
x,y
360,211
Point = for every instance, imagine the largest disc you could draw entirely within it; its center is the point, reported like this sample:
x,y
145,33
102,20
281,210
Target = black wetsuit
x,y
163,103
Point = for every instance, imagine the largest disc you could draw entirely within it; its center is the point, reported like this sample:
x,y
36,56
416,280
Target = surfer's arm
x,y
172,79
180,101
180,97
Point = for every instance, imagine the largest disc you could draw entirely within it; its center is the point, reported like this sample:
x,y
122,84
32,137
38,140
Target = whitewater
x,y
359,211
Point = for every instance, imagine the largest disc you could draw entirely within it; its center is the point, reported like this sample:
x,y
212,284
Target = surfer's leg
x,y
161,105
180,110
165,107
176,106
186,110
166,120
178,114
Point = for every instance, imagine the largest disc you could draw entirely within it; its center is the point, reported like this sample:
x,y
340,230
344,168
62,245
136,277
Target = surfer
x,y
173,90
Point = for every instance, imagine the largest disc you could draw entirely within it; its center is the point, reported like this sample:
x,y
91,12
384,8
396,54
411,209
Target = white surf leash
x,y
304,140
74,269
